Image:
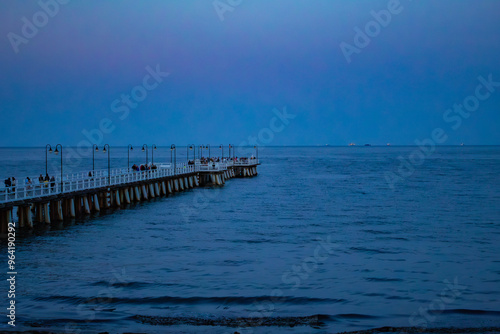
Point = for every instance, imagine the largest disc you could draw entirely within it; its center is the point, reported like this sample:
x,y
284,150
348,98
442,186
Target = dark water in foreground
x,y
318,232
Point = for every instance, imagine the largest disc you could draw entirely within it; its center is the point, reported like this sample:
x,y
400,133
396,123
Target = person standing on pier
x,y
52,182
13,184
46,180
7,184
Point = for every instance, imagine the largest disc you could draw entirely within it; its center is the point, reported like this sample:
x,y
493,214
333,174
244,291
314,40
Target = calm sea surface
x,y
317,232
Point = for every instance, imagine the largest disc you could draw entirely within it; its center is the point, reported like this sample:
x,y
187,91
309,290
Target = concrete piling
x,y
97,208
126,196
71,204
137,194
46,212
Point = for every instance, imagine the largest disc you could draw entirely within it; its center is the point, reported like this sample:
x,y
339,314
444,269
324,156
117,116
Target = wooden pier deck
x,y
80,194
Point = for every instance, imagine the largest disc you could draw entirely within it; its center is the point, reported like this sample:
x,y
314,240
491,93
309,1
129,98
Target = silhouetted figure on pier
x,y
52,182
8,184
40,179
13,184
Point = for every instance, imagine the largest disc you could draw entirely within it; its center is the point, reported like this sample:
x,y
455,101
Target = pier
x,y
80,194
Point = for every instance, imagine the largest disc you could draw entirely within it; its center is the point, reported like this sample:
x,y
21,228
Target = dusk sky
x,y
231,63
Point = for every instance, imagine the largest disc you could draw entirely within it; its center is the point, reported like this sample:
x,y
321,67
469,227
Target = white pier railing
x,y
83,181
100,178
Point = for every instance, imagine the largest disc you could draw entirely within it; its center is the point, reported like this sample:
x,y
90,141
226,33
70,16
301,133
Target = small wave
x,y
354,316
134,285
467,311
378,279
189,300
376,232
313,321
371,250
441,330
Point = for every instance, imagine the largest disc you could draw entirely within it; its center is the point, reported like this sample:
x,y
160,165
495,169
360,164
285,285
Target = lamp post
x,y
222,148
56,152
256,152
172,148
145,148
190,147
232,147
109,168
200,151
208,152
129,148
50,151
94,149
153,149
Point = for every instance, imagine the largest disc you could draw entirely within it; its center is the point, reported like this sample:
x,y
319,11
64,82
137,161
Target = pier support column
x,y
117,198
112,198
163,188
106,200
97,207
5,219
46,213
72,207
58,216
86,206
144,192
39,212
4,222
126,196
169,186
151,190
137,194
176,185
181,183
28,217
157,190
78,205
20,216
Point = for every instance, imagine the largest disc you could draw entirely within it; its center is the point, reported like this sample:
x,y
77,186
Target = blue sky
x,y
227,76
